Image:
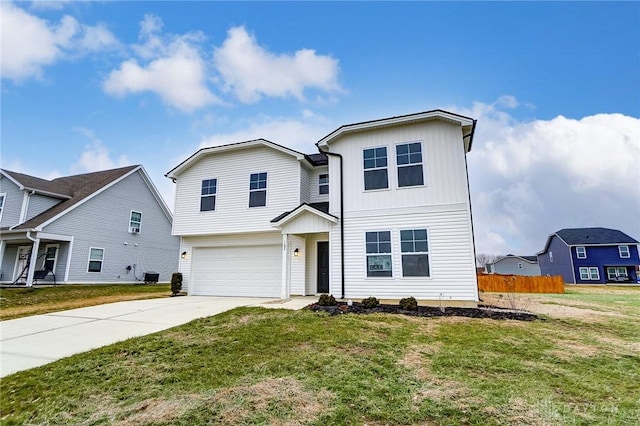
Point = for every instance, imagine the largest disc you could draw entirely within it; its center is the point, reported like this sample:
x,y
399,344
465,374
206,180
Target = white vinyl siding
x,y
39,203
316,197
624,252
305,185
12,205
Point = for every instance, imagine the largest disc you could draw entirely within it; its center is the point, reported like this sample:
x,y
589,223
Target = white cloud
x,y
30,43
96,156
177,73
529,179
250,71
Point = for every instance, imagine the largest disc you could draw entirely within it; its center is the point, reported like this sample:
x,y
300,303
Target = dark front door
x,y
323,267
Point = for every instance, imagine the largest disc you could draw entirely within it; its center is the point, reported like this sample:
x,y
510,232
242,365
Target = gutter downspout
x,y
473,234
341,219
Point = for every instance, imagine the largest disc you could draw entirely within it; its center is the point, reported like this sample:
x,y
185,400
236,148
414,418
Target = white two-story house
x,y
382,209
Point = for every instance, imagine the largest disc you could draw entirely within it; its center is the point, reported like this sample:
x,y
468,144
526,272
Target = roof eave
x,y
301,209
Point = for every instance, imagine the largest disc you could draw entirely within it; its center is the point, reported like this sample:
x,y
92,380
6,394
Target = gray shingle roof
x,y
317,159
323,207
588,236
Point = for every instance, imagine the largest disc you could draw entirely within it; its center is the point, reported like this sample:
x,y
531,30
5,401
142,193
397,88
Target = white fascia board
x,y
34,190
57,237
8,176
301,209
173,173
104,188
429,115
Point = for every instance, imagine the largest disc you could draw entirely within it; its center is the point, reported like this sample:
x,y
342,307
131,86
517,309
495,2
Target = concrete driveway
x,y
40,339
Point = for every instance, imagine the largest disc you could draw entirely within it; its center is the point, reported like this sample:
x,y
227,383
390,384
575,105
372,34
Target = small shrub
x,y
327,300
408,304
370,302
176,283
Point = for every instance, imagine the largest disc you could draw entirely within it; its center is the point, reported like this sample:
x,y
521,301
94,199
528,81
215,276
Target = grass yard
x,y
23,302
578,366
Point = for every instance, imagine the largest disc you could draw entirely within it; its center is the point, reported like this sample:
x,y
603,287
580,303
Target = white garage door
x,y
237,271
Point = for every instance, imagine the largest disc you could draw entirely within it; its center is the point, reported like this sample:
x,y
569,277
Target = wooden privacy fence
x,y
520,284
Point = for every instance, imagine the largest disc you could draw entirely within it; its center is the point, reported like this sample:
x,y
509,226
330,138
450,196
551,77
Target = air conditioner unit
x,y
135,230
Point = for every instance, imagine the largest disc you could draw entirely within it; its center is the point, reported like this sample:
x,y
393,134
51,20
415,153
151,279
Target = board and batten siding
x,y
103,222
12,206
445,178
451,256
39,203
189,243
232,213
316,197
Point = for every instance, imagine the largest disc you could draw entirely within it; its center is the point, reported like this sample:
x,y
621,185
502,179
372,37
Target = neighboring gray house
x,y
514,265
103,227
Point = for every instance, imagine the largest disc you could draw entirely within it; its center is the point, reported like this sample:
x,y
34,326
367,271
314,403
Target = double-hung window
x,y
375,168
135,222
589,273
615,272
208,195
581,252
409,163
624,252
323,184
96,257
415,253
378,254
2,197
50,257
258,189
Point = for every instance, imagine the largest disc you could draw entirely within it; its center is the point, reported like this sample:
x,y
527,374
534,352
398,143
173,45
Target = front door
x,y
24,252
323,267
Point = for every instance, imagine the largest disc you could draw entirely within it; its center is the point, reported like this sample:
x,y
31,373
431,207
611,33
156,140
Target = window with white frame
x,y
375,168
50,258
520,266
551,256
415,253
135,222
589,273
409,163
208,193
378,247
2,197
624,252
581,252
258,189
96,258
614,272
323,184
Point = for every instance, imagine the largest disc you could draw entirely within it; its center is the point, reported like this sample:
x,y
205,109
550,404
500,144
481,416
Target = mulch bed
x,y
491,312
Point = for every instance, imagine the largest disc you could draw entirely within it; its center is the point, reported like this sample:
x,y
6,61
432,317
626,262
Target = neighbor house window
x,y
614,272
520,265
551,256
409,162
50,257
258,190
581,252
375,168
323,184
589,273
624,251
96,256
2,197
135,221
415,253
378,254
208,195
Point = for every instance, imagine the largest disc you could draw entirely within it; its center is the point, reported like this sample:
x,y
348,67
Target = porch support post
x,y
3,245
285,267
32,262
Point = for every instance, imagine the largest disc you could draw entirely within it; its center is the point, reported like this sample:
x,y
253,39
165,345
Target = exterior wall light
x,y
296,252
183,255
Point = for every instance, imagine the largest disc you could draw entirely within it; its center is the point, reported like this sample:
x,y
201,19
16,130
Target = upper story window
x,y
378,254
415,253
551,256
96,257
624,252
323,184
2,197
208,195
409,162
520,265
375,168
135,222
581,252
258,189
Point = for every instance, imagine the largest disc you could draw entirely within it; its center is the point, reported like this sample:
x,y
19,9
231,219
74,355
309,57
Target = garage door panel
x,y
237,271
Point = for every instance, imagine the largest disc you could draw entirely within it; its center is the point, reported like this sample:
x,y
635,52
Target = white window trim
x,y
55,259
428,253
101,260
265,189
131,228
387,167
591,269
627,250
587,270
395,160
520,265
584,252
320,184
616,271
550,257
366,256
3,195
209,195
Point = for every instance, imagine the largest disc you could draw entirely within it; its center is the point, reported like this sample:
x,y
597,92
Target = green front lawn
x,y
22,302
261,366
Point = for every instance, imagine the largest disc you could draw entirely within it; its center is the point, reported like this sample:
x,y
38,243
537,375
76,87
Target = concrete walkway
x,y
40,339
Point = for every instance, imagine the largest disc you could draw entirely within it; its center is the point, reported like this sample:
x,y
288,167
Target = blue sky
x,y
555,88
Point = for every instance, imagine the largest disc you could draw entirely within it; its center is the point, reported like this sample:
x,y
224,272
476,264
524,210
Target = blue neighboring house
x,y
591,256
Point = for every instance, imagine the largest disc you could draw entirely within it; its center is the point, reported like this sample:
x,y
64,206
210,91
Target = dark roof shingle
x,y
588,236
